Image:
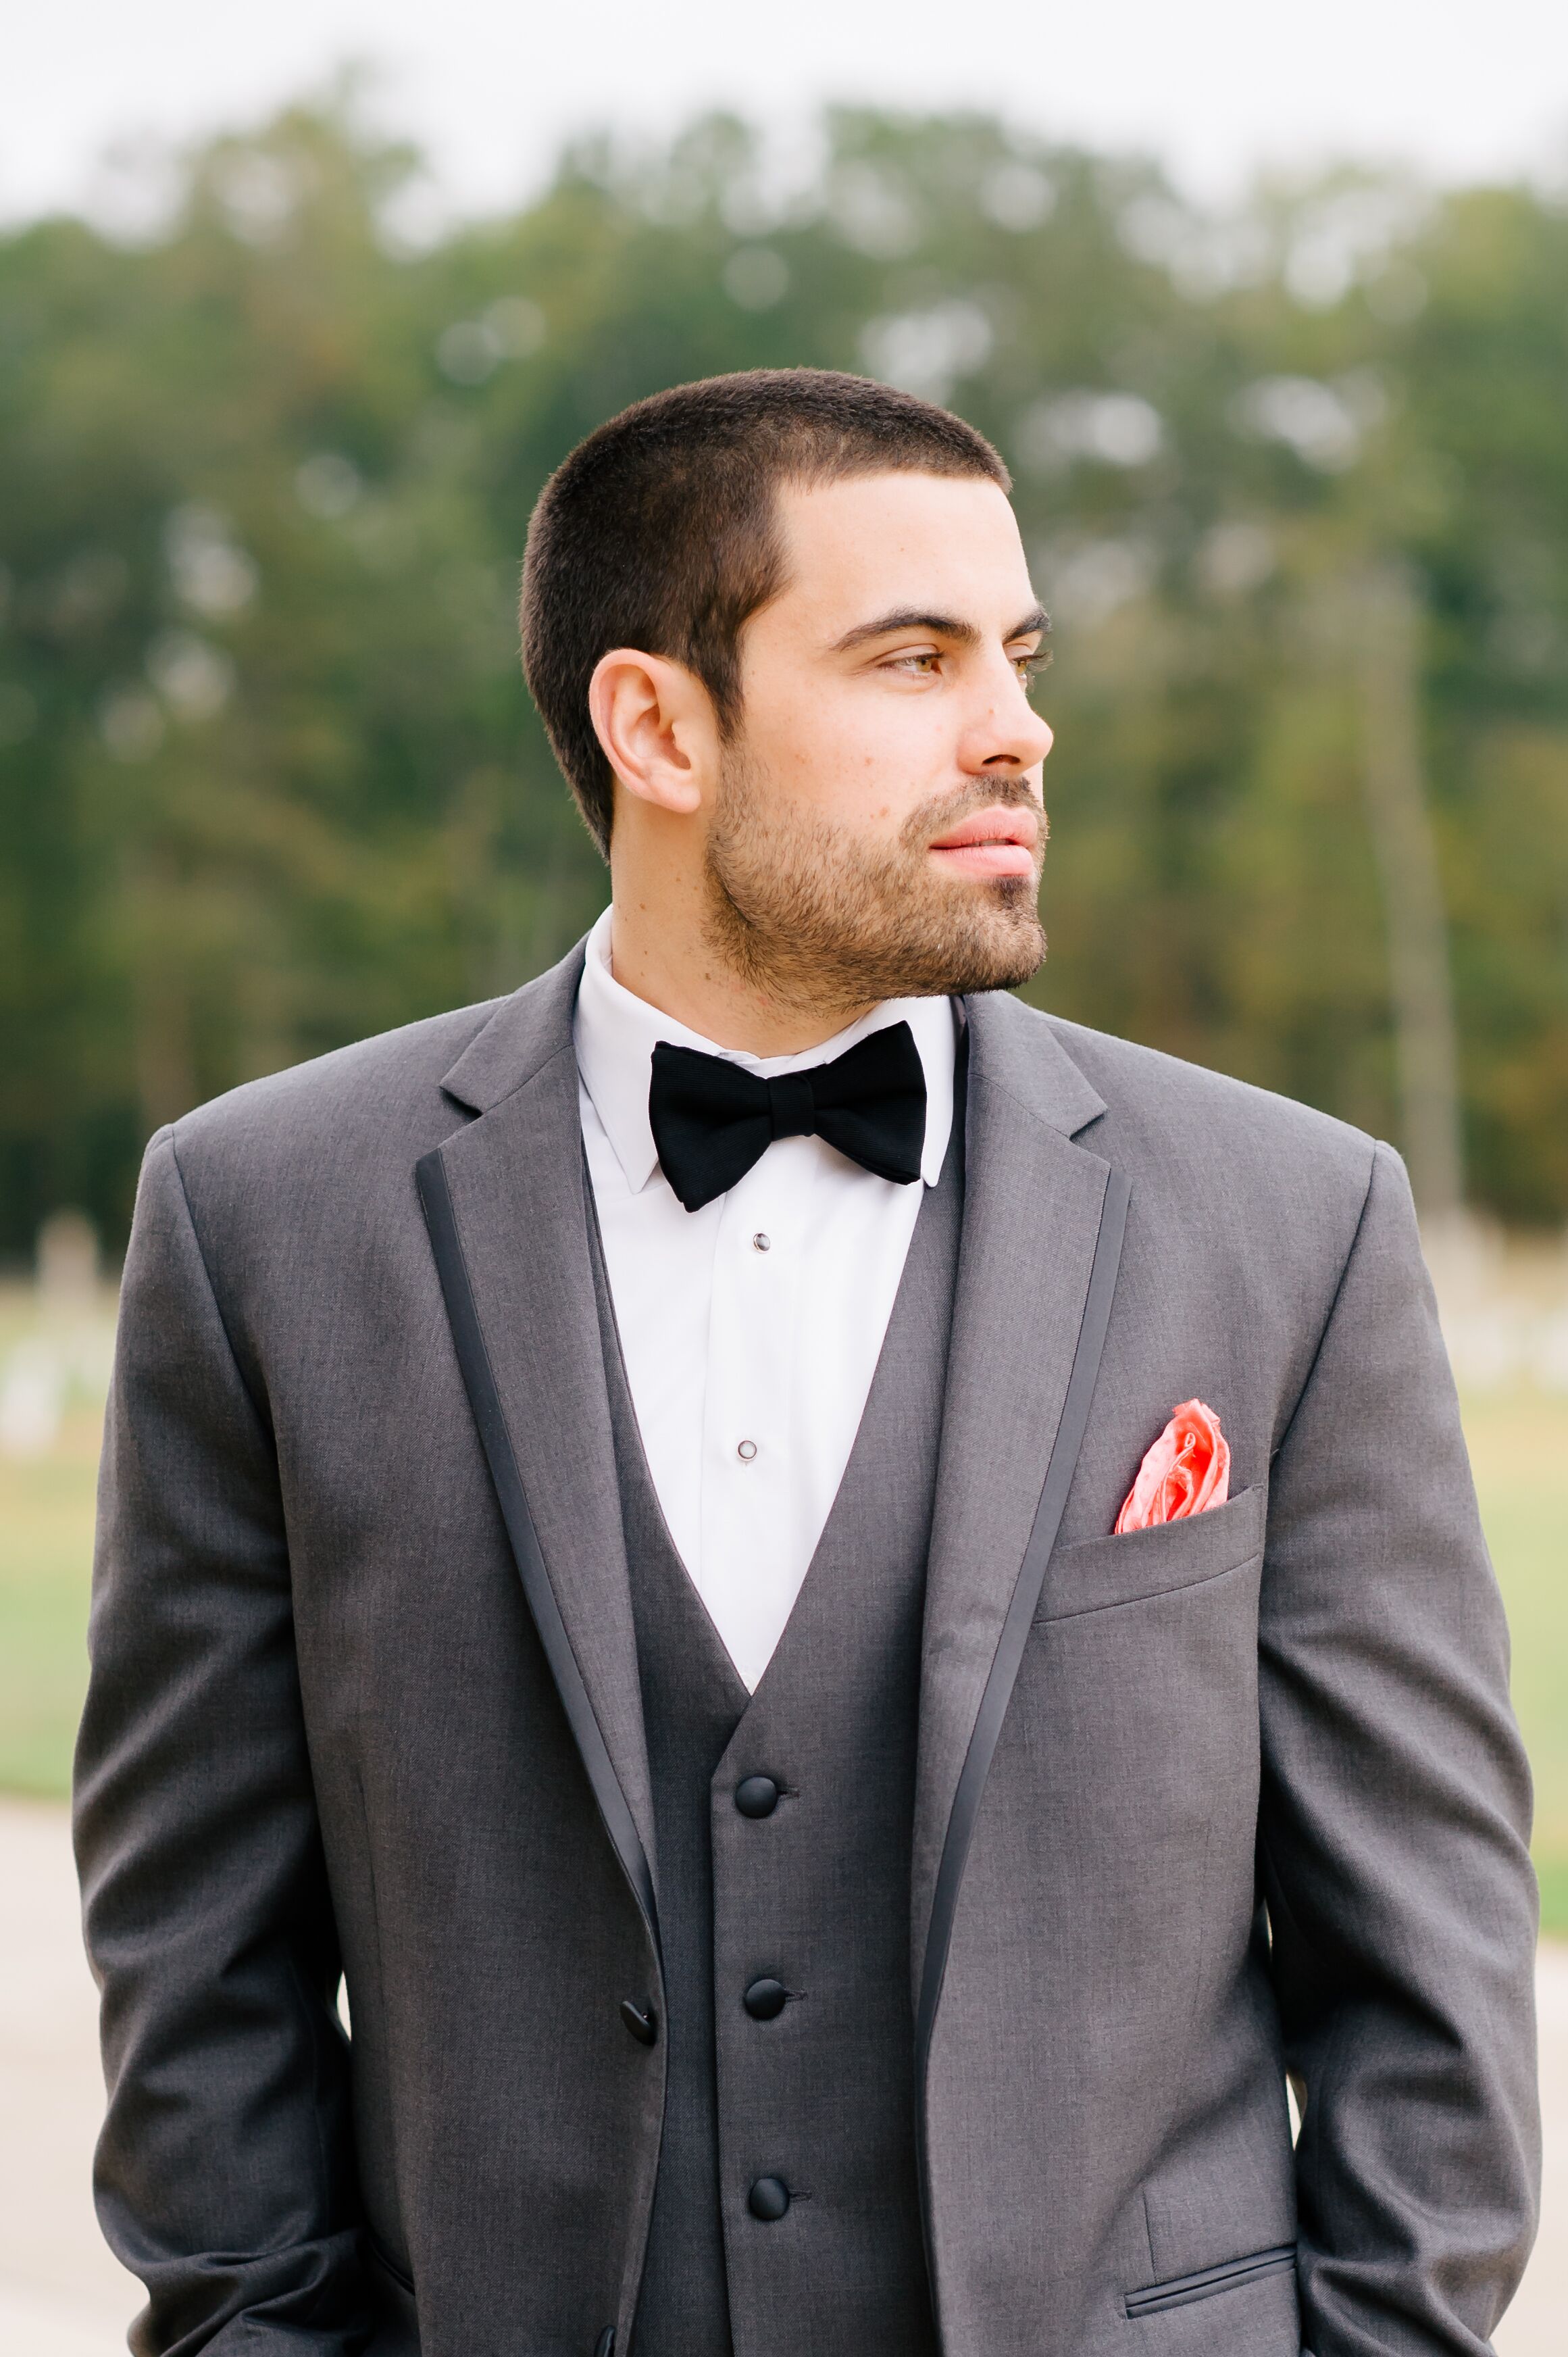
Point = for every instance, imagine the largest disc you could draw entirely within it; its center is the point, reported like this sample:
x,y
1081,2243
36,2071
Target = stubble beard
x,y
816,918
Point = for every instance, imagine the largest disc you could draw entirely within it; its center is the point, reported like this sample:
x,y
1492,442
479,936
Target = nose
x,y
1006,733
1007,742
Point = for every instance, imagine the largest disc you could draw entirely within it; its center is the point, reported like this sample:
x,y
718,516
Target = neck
x,y
677,969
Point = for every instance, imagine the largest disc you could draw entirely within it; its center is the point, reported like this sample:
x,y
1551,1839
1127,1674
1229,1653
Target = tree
x,y
268,777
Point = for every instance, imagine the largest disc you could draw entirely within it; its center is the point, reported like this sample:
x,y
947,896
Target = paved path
x,y
62,2294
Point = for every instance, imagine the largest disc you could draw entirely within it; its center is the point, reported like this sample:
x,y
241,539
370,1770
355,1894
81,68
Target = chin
x,y
1012,964
989,937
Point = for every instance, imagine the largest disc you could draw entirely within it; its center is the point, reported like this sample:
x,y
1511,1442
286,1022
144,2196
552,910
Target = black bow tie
x,y
712,1120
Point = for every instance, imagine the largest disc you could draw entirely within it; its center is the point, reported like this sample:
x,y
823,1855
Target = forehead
x,y
872,543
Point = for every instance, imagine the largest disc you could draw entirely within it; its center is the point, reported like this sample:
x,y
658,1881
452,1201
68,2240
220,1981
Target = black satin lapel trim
x,y
1064,1457
484,1398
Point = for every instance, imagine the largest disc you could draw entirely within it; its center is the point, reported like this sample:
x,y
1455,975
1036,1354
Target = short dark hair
x,y
660,532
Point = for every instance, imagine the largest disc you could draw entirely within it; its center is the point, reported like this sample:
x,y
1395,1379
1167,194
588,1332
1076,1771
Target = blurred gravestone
x,y
66,1350
68,1266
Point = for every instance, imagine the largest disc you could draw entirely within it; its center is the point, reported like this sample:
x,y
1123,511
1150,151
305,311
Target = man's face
x,y
880,828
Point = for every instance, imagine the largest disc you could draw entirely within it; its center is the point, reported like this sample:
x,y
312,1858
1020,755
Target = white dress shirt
x,y
751,1329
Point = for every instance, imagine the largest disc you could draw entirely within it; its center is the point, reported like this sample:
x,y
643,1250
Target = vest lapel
x,y
504,1202
1042,1235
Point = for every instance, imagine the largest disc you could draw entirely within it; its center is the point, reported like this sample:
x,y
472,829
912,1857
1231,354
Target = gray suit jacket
x,y
1197,1806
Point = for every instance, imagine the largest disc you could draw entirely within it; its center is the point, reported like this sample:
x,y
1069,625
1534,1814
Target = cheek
x,y
863,760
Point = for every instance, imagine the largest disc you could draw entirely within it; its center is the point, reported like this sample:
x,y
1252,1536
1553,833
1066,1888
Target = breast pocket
x,y
1093,1574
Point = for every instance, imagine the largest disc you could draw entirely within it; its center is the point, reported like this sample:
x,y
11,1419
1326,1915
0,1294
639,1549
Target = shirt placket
x,y
748,1438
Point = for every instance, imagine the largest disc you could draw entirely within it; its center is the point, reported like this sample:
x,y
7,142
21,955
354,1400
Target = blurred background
x,y
1273,335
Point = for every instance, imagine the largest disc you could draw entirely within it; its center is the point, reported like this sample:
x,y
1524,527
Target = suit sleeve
x,y
224,2177
1394,1822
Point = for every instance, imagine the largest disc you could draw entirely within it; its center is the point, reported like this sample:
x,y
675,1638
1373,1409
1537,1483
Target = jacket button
x,y
757,1796
769,2198
605,2346
643,2025
765,2000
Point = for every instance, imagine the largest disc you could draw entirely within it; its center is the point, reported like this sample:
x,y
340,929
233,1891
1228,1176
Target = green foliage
x,y
269,778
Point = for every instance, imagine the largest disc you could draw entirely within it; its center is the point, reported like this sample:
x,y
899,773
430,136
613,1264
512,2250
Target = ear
x,y
656,722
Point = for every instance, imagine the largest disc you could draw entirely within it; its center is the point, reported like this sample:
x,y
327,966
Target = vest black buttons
x,y
765,1999
757,1796
643,2023
605,2346
769,2198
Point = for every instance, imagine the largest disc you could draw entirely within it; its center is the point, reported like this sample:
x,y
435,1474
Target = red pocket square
x,y
1187,1472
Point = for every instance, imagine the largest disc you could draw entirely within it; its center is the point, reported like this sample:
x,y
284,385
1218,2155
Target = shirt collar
x,y
616,1033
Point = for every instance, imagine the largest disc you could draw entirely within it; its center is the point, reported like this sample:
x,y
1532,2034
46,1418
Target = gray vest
x,y
786,2213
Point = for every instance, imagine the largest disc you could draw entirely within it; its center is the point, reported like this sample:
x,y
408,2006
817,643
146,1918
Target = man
x,y
608,1545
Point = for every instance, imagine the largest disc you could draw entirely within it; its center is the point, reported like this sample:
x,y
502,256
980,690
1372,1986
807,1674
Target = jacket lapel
x,y
504,1202
1041,1240
1042,1234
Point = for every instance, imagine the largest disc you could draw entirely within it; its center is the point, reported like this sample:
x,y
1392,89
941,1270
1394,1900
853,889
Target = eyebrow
x,y
940,626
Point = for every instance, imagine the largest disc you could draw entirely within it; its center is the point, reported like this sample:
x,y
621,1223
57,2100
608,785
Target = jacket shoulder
x,y
1131,1078
392,1080
1204,1137
1265,1196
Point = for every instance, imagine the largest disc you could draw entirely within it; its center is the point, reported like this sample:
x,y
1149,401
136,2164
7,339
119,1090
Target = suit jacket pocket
x,y
1090,1574
396,2332
1181,2291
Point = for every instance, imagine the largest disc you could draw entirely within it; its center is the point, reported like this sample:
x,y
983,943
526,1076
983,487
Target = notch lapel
x,y
1041,1243
505,1206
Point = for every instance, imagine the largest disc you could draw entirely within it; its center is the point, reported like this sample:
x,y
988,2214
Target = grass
x,y
1519,1447
1518,1444
45,1552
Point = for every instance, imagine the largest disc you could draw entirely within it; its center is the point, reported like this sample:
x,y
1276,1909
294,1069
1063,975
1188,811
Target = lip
x,y
994,842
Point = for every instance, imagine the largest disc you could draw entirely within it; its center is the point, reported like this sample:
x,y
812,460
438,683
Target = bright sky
x,y
490,86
